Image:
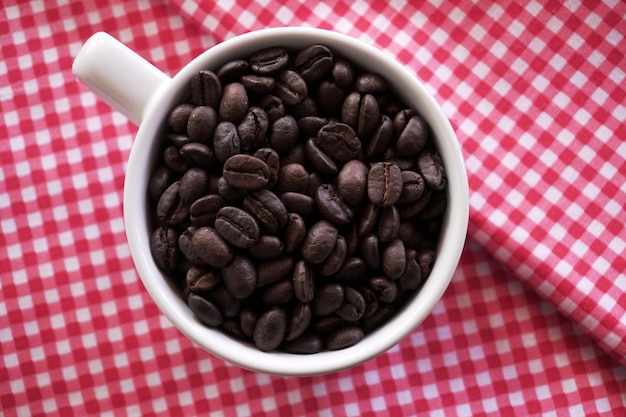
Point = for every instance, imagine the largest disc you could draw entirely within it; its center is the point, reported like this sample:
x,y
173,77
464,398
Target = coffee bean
x,y
179,116
269,60
193,185
273,107
328,298
293,177
246,172
277,293
370,83
178,139
240,277
385,289
226,142
389,224
309,126
267,247
225,301
201,124
369,219
321,161
371,301
274,270
253,129
234,103
431,167
185,245
361,113
319,242
384,183
300,319
352,182
299,203
303,281
333,263
163,178
272,160
201,280
330,97
229,193
203,211
425,258
353,306
171,209
411,210
412,187
197,154
247,320
435,207
412,276
233,70
283,134
344,337
393,259
268,209
164,248
174,160
339,140
237,227
270,329
381,138
257,85
290,87
308,343
413,137
343,73
370,250
332,206
207,312
206,89
313,62
211,247
294,233
352,270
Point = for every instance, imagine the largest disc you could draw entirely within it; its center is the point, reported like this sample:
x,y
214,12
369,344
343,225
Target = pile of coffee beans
x,y
297,201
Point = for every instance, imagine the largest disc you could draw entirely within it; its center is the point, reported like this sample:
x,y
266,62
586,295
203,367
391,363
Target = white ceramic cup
x,y
145,95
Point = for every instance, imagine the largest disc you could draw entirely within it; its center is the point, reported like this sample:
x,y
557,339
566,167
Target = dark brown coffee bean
x,y
389,224
163,178
240,277
237,227
178,139
290,87
320,160
247,320
306,108
267,247
344,337
207,312
370,251
292,177
361,113
226,142
171,209
410,210
294,156
381,315
204,210
327,324
164,248
352,270
309,126
257,85
352,182
332,206
330,97
268,209
333,263
412,187
179,116
308,343
339,140
225,302
435,207
369,219
299,203
185,245
412,276
197,154
273,107
413,137
294,233
174,160
381,138
234,103
200,280
393,259
206,89
283,134
193,185
385,289
370,83
431,167
350,233
425,259
269,60
319,242
371,301
299,321
246,172
232,327
343,73
211,247
253,129
201,124
314,62
271,158
270,329
274,270
353,306
229,193
277,293
384,183
328,298
303,281
315,181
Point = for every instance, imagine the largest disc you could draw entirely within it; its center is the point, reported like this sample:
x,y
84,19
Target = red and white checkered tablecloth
x,y
534,321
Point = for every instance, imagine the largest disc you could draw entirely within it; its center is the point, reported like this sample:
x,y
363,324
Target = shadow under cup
x,y
148,145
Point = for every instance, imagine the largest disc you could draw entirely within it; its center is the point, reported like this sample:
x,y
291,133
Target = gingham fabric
x,y
534,321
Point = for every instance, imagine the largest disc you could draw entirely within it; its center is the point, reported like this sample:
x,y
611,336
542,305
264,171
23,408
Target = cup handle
x,y
118,75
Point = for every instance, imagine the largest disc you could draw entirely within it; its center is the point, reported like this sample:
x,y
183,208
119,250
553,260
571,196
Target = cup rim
x,y
167,297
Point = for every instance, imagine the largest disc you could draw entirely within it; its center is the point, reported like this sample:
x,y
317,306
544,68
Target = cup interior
x,y
143,158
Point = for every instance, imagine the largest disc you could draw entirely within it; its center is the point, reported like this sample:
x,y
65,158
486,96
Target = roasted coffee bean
x,y
410,210
369,219
171,209
412,187
371,301
350,233
332,206
268,209
319,242
330,97
299,203
225,301
200,280
197,154
185,245
353,306
352,182
274,270
193,185
412,276
211,247
267,247
300,318
306,108
393,259
257,85
232,327
163,178
425,258
273,107
370,83
339,140
344,337
253,129
178,139
234,103
206,89
381,315
237,227
293,177
246,172
179,116
294,233
270,329
385,289
321,161
431,167
327,324
313,62
164,248
277,293
361,113
230,193
233,70
174,160
315,181
413,137
343,73
271,158
435,207
240,277
294,156
207,312
308,343
309,126
333,263
226,142
269,60
203,211
352,270
290,87
384,183
328,298
201,124
381,138
247,320
370,250
303,281
283,134
389,224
